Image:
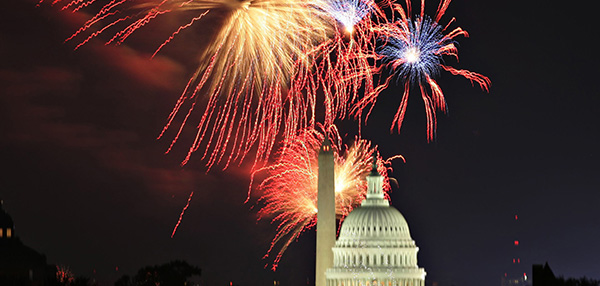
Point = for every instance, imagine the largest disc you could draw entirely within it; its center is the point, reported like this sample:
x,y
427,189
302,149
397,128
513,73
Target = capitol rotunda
x,y
374,246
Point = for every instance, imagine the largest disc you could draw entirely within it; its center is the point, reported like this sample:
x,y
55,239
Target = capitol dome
x,y
374,246
375,224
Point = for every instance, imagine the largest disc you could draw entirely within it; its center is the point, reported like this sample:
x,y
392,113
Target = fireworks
x,y
344,65
240,89
256,52
181,215
263,75
267,70
348,12
288,194
64,275
414,48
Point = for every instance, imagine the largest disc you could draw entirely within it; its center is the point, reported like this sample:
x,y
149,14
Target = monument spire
x,y
326,212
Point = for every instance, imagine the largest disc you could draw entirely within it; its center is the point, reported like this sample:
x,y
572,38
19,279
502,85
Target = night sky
x,y
89,186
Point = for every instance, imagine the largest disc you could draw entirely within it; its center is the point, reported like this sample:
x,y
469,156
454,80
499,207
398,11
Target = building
x,y
374,246
19,264
6,225
543,275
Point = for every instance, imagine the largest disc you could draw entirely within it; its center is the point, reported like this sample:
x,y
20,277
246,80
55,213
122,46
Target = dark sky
x,y
88,185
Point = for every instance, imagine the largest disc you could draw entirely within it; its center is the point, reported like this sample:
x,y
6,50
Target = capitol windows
x,y
8,232
1,232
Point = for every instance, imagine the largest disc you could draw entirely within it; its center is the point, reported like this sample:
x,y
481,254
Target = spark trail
x,y
288,192
414,48
254,57
181,215
345,63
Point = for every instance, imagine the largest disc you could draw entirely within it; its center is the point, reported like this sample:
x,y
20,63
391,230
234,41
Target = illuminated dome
x,y
374,246
375,224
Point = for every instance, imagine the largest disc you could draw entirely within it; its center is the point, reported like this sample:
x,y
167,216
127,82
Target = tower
x,y
325,212
516,273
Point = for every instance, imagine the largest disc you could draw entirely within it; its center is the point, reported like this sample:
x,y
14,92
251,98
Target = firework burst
x,y
288,193
414,48
349,12
256,53
238,97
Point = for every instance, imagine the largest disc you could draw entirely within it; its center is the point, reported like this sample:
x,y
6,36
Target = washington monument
x,y
325,212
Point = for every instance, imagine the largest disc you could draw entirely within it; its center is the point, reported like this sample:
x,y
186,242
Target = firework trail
x,y
414,48
238,99
344,65
181,215
288,193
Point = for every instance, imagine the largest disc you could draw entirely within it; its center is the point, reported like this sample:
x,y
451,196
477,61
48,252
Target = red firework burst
x,y
288,193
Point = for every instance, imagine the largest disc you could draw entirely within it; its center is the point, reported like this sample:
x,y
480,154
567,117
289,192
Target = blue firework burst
x,y
415,48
